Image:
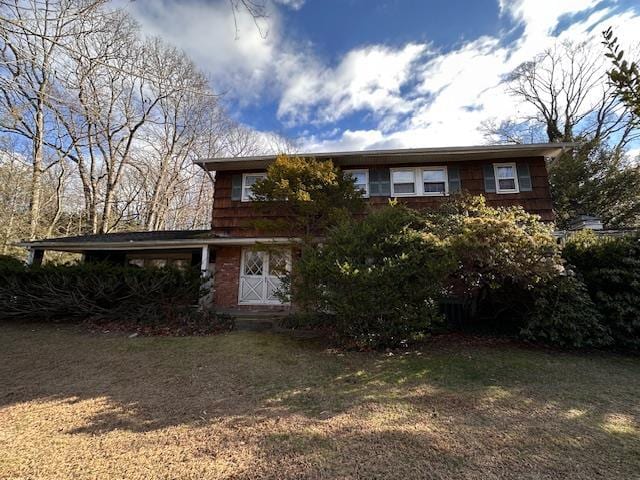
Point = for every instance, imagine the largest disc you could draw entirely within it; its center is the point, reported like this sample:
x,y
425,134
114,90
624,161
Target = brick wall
x,y
227,277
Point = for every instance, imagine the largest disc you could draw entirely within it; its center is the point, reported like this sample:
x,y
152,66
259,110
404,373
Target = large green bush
x,y
610,268
563,314
376,281
97,292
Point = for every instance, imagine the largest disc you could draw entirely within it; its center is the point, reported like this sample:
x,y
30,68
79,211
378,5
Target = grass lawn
x,y
252,405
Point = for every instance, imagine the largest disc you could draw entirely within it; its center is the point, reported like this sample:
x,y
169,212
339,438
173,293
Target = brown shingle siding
x,y
232,217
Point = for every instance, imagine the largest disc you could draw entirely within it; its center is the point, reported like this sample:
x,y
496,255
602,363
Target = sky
x,y
371,74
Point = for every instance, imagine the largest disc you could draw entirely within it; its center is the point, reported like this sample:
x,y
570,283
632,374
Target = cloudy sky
x,y
366,74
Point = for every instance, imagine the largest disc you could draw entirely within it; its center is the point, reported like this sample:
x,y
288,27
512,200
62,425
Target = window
x,y
360,180
403,182
506,177
426,181
434,181
248,179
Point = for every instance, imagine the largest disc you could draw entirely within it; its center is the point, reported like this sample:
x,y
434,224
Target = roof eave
x,y
150,245
373,157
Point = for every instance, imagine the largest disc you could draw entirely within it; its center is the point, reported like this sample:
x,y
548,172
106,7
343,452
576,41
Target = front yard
x,y
247,405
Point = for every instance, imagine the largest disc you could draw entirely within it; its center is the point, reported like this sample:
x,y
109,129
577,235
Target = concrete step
x,y
255,324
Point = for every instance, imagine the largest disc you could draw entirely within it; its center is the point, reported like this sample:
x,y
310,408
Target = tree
x,y
572,102
309,195
376,281
32,47
624,75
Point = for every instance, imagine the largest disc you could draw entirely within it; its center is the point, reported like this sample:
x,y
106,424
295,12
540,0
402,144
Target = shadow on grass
x,y
426,406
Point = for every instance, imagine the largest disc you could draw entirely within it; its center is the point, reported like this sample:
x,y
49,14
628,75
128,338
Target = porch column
x,y
35,256
204,263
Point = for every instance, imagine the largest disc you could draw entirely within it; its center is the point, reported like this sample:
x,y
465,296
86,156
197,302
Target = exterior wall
x,y
227,277
234,218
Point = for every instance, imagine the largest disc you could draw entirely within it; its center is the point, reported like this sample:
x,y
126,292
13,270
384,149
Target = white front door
x,y
259,276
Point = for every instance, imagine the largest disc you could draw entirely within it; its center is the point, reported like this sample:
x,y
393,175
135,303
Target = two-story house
x,y
243,273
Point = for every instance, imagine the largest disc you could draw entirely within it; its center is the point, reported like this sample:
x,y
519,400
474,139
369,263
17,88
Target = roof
x,y
409,155
162,239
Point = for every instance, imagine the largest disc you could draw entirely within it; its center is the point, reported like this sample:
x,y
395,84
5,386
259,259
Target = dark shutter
x,y
236,187
524,178
454,179
489,179
379,182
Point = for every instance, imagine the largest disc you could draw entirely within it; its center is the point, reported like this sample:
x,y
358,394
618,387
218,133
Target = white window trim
x,y
515,178
419,183
415,178
366,181
243,197
446,181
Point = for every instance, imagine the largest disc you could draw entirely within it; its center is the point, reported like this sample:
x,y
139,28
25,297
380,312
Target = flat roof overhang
x,y
398,156
85,246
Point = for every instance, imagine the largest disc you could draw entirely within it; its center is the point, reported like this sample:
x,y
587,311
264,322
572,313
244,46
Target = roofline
x,y
62,246
546,149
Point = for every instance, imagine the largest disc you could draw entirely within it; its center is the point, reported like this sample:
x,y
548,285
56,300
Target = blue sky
x,y
363,74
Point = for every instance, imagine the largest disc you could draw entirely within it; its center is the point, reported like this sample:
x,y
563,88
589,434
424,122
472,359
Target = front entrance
x,y
259,276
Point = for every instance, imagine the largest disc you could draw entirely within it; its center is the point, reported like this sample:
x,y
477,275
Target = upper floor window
x,y
403,181
360,180
506,176
427,181
248,180
434,181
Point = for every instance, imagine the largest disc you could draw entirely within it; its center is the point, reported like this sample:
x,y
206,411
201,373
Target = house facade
x,y
243,264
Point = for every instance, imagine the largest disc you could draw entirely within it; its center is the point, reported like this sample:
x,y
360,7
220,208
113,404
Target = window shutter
x,y
489,179
236,187
524,178
379,182
454,179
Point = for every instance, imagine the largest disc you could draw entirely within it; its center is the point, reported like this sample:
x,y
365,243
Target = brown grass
x,y
246,405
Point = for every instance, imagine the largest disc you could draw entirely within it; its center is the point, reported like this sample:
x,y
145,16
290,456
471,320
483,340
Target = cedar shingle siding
x,y
233,217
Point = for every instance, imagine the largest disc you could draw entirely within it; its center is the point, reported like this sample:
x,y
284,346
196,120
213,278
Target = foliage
x,y
598,181
624,76
495,246
379,279
310,194
610,267
98,292
563,314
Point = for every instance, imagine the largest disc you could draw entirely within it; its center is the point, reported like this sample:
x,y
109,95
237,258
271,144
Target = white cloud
x,y
233,50
293,4
368,78
458,90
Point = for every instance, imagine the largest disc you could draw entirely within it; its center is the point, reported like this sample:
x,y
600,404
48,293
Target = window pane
x,y
249,180
403,176
277,263
507,184
433,176
434,187
253,262
404,188
506,172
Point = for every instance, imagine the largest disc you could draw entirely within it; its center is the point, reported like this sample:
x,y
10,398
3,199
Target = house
x,y
232,252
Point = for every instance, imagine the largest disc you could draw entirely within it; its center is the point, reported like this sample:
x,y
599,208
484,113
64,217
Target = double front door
x,y
260,273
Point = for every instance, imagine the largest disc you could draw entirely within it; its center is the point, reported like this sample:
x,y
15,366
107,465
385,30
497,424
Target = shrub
x,y
563,314
98,292
379,279
610,267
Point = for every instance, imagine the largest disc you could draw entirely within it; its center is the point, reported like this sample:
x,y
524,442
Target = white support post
x,y
204,264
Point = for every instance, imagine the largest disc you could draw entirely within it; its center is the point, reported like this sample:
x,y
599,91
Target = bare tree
x,y
568,90
32,39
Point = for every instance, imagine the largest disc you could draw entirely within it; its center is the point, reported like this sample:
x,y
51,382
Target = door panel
x,y
259,276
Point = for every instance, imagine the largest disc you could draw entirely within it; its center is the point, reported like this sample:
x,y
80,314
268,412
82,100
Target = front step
x,y
254,324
